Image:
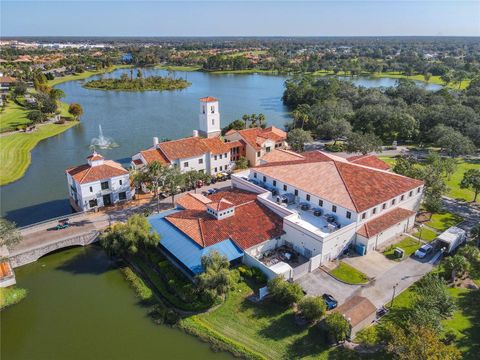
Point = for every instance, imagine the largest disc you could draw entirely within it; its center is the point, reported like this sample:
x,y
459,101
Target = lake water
x,y
80,307
132,119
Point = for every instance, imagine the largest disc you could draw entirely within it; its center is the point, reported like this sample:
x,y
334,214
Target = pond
x,y
80,307
131,119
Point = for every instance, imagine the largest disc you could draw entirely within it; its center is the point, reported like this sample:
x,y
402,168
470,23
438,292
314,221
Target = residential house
x,y
98,183
258,141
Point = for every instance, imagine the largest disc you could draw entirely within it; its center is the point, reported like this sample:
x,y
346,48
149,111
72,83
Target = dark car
x,y
330,301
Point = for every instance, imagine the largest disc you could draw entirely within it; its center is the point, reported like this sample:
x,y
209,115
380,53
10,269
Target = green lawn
x,y
349,274
409,245
443,221
260,330
178,67
13,115
15,149
388,159
454,182
426,234
11,295
84,75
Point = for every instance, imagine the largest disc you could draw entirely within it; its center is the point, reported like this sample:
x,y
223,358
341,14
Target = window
x,y
258,154
264,179
268,149
374,211
296,192
334,208
402,197
104,185
225,155
213,121
212,109
349,215
255,175
220,156
92,203
384,206
364,215
200,161
393,202
284,187
122,196
320,202
221,168
418,190
215,169
120,182
274,182
215,157
91,189
185,164
308,197
410,194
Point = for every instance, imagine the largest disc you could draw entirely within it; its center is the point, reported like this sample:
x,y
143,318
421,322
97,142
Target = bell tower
x,y
209,118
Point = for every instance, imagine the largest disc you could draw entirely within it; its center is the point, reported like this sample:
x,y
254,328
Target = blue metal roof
x,y
187,251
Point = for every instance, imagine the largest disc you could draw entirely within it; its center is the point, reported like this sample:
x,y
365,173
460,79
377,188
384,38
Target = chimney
x,y
195,133
155,141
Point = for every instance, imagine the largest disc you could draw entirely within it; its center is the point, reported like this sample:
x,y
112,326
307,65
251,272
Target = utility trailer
x,y
451,239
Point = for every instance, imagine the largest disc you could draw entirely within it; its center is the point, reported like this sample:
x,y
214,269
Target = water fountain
x,y
103,142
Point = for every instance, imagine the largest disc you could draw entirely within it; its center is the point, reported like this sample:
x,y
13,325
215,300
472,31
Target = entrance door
x,y
107,200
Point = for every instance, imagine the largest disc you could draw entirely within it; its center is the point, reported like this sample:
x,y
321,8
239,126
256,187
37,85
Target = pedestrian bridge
x,y
26,255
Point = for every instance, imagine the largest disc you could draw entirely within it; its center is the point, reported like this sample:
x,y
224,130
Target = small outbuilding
x,y
359,311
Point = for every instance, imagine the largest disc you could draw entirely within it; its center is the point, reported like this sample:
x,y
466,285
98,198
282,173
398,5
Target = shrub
x,y
337,326
285,292
252,273
312,308
368,336
334,147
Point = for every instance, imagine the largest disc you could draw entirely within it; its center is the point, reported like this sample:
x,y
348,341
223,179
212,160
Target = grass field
x,y
178,68
261,330
443,221
409,245
426,235
15,149
12,115
349,274
84,75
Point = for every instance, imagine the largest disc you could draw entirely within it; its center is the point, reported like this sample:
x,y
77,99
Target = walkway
x,y
469,211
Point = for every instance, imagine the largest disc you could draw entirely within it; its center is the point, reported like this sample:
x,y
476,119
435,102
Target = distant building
x,y
6,82
258,142
98,183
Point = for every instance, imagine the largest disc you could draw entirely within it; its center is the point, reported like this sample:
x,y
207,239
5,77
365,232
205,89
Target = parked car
x,y
330,301
212,191
423,251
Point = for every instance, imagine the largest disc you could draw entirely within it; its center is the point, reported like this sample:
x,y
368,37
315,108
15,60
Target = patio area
x,y
283,254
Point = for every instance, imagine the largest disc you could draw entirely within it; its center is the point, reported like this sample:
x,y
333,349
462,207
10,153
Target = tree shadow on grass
x,y
313,343
469,304
264,309
282,327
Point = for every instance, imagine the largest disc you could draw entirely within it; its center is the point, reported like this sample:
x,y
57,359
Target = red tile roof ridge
x,y
346,186
208,99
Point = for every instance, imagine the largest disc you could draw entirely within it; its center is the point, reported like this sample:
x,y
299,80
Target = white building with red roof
x,y
329,203
98,183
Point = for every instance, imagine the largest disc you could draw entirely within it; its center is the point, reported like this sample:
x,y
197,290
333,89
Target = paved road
x,y
469,211
42,233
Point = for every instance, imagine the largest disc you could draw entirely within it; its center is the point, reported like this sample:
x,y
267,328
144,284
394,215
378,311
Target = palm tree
x,y
261,120
457,264
246,119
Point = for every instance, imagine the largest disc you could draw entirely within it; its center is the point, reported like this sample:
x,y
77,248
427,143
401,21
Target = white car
x,y
423,251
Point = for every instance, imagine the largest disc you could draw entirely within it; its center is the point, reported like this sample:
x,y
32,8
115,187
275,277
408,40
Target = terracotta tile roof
x,y
94,156
215,145
255,137
206,230
357,309
5,270
220,205
7,79
383,222
278,155
336,180
85,173
208,99
236,143
152,155
191,147
193,201
369,160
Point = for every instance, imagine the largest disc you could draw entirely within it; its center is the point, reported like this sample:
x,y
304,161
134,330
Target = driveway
x,y
318,283
374,264
469,211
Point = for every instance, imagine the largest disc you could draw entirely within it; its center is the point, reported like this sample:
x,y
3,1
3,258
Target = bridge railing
x,y
69,216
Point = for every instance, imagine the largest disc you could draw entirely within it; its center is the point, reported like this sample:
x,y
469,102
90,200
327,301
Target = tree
x,y
36,116
285,292
406,166
153,176
337,326
471,180
419,343
192,177
455,144
174,179
470,252
56,94
9,235
312,308
297,138
363,143
127,239
216,278
456,265
335,129
449,167
475,234
75,110
235,125
20,89
241,163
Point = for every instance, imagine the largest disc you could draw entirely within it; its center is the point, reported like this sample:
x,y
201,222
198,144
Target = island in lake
x,y
139,83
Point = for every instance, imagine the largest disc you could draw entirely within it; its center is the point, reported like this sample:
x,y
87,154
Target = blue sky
x,y
232,18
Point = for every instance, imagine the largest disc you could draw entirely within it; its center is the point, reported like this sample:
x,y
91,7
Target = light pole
x,y
420,233
393,296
